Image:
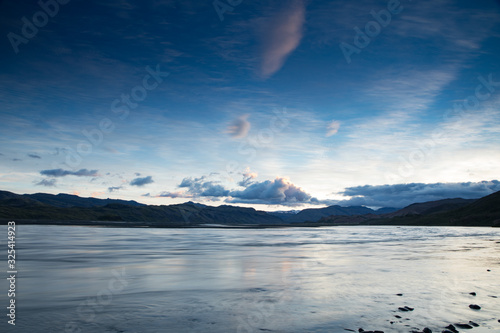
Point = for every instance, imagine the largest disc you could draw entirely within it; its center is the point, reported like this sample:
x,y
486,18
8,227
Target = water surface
x,y
87,279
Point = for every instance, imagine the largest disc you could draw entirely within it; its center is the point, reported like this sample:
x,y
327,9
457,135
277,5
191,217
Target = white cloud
x,y
282,36
333,128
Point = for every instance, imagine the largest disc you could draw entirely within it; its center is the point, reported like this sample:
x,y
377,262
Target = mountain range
x,y
42,208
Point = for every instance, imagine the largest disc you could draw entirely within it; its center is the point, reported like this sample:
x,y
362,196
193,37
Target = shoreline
x,y
125,224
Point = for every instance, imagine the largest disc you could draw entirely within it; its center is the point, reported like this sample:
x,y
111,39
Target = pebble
x,y
474,307
405,308
451,328
472,293
464,326
425,330
362,330
473,323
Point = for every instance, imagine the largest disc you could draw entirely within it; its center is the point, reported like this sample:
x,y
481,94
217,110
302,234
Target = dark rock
x,y
399,294
397,316
467,326
402,309
426,330
348,329
408,308
472,293
474,307
488,270
361,330
446,331
451,328
473,323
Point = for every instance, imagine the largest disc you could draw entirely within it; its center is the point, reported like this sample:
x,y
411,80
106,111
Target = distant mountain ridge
x,y
65,200
53,207
48,209
448,212
481,212
315,214
431,207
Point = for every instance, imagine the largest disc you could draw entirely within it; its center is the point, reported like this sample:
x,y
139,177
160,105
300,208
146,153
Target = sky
x,y
275,105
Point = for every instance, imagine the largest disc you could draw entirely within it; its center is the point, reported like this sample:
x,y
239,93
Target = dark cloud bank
x,y
401,195
63,173
281,191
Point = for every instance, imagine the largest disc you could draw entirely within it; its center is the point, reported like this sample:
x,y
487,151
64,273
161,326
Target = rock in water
x,y
427,330
467,326
472,293
474,307
473,323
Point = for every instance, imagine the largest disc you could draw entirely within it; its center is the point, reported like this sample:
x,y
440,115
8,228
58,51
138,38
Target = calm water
x,y
81,279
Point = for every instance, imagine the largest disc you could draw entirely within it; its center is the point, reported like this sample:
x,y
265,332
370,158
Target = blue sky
x,y
269,104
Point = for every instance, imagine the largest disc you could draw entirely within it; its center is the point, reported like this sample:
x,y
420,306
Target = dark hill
x,y
16,207
315,214
481,212
431,207
65,200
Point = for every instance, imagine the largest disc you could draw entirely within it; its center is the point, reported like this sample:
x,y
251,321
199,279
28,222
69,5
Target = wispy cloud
x,y
178,194
283,34
47,182
34,156
114,188
248,177
63,173
333,128
142,181
239,127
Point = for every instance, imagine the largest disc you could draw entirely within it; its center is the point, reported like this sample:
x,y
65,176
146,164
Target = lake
x,y
89,279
